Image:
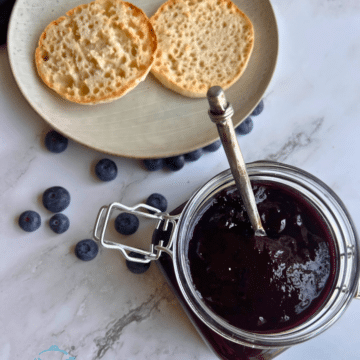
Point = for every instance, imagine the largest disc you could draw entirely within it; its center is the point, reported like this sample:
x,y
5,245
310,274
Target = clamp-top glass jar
x,y
230,340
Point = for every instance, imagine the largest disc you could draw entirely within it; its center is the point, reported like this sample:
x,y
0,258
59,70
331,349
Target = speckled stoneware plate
x,y
151,121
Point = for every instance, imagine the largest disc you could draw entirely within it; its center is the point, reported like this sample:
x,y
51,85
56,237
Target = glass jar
x,y
170,246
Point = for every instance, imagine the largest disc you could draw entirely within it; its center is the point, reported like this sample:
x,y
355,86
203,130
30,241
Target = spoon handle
x,y
220,113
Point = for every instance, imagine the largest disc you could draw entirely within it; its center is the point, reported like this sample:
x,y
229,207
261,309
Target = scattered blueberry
x,y
86,249
56,199
106,170
135,267
175,163
59,223
154,164
245,127
259,108
126,223
29,220
157,201
194,155
55,142
213,147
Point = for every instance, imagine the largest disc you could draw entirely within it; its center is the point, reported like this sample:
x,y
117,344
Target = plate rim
x,y
113,153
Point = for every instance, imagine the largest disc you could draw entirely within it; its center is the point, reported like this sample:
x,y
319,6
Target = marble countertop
x,y
98,309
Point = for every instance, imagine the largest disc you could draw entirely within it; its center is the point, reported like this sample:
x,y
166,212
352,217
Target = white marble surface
x,y
99,310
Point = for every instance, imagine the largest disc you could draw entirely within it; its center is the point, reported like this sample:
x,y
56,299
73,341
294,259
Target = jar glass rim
x,y
339,220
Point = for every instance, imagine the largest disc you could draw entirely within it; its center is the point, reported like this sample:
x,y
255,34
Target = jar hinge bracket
x,y
166,225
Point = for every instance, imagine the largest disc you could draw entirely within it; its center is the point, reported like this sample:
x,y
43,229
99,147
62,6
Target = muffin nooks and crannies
x,y
98,52
201,43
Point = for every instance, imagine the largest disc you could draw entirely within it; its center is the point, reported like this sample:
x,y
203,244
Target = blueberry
x,y
259,108
126,223
86,249
157,201
193,155
135,267
213,147
56,199
175,163
245,127
59,223
29,220
55,142
154,164
106,170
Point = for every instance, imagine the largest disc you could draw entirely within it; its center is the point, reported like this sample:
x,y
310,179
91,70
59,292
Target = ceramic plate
x,y
151,121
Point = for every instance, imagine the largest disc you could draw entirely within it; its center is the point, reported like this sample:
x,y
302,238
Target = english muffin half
x,y
97,53
201,43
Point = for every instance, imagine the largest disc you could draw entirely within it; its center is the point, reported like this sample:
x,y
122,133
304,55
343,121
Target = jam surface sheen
x,y
262,284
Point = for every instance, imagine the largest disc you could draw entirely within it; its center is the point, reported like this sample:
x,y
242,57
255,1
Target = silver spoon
x,y
220,113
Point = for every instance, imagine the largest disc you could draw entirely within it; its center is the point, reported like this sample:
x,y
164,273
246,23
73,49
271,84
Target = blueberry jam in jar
x,y
250,297
262,283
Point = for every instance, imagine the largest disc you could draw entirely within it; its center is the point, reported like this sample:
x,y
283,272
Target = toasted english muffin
x,y
201,43
97,53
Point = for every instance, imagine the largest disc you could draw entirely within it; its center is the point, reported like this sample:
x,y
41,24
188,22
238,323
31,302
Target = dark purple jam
x,y
262,284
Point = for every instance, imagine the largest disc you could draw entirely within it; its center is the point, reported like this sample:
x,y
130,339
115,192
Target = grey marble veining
x,y
298,140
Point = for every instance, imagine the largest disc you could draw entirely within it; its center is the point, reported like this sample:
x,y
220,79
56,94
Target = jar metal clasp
x,y
166,225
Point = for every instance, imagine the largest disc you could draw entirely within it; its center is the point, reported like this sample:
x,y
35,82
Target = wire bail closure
x,y
163,221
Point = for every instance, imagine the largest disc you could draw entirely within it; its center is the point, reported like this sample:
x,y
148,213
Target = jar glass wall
x,y
339,222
